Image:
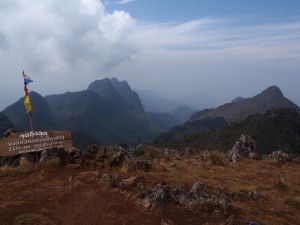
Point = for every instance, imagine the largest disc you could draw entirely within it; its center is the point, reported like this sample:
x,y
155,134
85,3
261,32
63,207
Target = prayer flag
x,y
27,103
27,79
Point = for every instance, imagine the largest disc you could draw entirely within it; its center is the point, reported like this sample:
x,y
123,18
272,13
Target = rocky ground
x,y
155,186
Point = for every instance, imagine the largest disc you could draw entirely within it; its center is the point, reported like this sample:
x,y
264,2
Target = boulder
x,y
155,197
118,159
60,153
129,183
198,198
107,180
24,162
284,157
9,132
244,147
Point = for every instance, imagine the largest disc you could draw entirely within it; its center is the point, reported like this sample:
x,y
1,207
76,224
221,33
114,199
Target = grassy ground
x,y
74,195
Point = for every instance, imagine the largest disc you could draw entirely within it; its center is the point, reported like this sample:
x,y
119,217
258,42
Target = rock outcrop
x,y
244,147
198,198
38,158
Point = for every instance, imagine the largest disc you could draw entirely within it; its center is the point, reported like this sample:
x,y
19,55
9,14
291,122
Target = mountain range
x,y
276,129
235,111
109,111
240,108
154,102
164,112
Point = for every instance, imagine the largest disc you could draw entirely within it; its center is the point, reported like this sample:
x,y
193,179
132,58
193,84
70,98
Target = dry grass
x,y
279,182
7,171
51,165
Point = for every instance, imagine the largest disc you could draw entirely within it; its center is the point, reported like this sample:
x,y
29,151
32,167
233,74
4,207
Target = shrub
x,y
138,152
217,158
293,202
280,185
24,219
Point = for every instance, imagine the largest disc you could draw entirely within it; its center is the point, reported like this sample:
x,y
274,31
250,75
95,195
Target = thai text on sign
x,y
34,141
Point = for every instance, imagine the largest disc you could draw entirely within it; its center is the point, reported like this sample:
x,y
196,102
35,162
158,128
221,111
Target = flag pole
x,y
30,120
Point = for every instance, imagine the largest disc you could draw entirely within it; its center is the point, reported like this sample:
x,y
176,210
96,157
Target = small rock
x,y
129,183
167,222
9,132
23,162
89,177
230,220
117,159
107,180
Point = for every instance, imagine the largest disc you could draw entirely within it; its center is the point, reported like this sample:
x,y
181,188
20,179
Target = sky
x,y
221,48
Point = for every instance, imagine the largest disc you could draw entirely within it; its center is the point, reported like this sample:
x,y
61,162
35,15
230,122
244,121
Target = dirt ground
x,y
74,194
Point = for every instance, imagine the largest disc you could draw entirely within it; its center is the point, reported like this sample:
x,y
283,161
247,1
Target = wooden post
x,y
30,120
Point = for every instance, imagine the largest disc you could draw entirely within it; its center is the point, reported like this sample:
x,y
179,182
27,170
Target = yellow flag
x,y
27,103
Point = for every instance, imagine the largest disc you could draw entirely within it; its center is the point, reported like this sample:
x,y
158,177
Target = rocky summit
x,y
148,185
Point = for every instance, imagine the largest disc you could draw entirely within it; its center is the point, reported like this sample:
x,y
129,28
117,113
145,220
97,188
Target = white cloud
x,y
61,41
65,45
122,2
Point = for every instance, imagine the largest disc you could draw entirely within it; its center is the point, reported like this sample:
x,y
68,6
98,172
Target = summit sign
x,y
34,141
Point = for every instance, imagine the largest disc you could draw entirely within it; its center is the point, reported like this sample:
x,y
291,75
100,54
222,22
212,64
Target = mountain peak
x,y
272,91
236,111
104,83
104,88
237,99
120,84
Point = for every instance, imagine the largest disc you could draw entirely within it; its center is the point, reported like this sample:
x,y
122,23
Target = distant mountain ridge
x,y
42,118
277,129
239,109
224,115
153,102
109,111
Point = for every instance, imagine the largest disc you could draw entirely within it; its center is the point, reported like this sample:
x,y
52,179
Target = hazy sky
x,y
222,48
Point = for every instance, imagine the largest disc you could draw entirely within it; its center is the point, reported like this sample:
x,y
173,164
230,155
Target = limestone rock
x,y
167,222
244,147
197,198
118,159
129,183
23,162
9,132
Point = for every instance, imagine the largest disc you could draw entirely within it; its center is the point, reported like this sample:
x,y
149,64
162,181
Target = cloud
x,y
62,40
122,2
65,45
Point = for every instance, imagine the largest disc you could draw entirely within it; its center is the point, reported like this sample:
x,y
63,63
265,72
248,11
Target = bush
x,y
138,152
24,219
216,158
280,185
293,202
